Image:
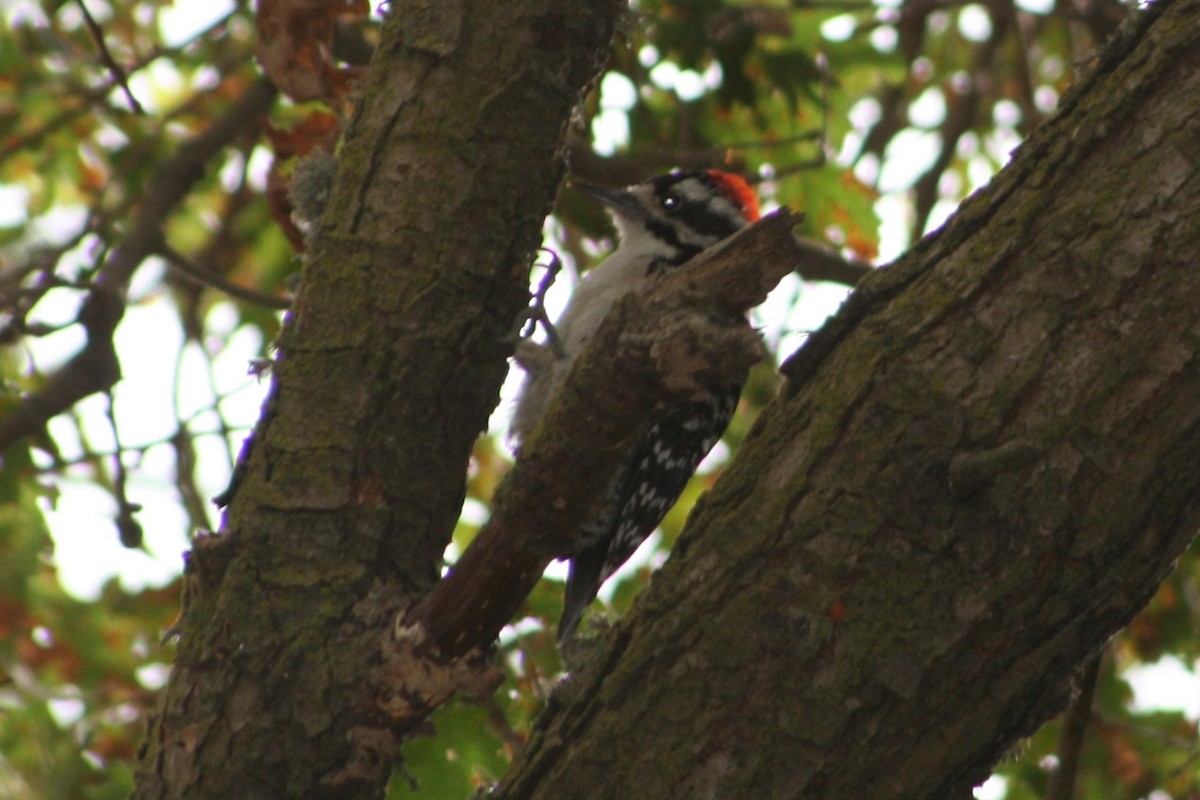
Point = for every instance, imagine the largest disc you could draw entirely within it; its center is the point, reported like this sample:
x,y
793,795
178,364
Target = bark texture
x,y
389,365
981,469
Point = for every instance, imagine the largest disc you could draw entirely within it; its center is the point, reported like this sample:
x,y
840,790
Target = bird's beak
x,y
620,201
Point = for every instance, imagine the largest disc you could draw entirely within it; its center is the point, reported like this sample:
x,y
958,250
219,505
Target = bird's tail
x,y
583,581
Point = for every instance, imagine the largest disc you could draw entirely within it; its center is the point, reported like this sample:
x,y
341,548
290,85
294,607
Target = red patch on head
x,y
738,191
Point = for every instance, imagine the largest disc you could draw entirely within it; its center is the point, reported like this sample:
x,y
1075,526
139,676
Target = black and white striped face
x,y
679,214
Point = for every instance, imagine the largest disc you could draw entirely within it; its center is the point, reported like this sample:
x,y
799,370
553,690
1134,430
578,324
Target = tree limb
x,y
980,469
390,362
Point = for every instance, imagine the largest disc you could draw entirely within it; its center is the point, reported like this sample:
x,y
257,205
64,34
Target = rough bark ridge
x,y
355,479
979,471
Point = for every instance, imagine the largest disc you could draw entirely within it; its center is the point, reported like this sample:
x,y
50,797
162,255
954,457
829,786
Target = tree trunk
x,y
389,365
976,473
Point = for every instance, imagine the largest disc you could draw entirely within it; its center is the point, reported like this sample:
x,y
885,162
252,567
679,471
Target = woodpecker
x,y
662,223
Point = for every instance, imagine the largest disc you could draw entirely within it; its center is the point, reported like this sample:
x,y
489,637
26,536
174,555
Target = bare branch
x,y
194,273
820,262
79,102
1070,741
117,71
95,368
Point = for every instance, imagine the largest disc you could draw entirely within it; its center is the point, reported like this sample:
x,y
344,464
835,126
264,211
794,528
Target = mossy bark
x,y
978,472
390,362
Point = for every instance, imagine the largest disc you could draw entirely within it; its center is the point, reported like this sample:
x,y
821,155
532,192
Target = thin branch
x,y
842,5
183,444
193,272
796,167
820,262
623,169
18,300
86,98
95,368
959,118
93,457
128,527
1164,737
1023,60
1070,740
118,73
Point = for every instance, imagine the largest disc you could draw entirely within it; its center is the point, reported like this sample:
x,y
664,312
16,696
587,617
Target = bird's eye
x,y
671,201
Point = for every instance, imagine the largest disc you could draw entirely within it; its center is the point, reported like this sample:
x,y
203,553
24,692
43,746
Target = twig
x,y
821,263
959,118
843,5
18,300
129,529
183,444
86,98
1167,738
620,169
95,367
117,71
205,277
93,457
1070,740
1031,117
796,167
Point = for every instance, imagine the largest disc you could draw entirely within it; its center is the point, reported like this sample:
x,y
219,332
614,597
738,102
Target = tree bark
x,y
976,474
389,365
